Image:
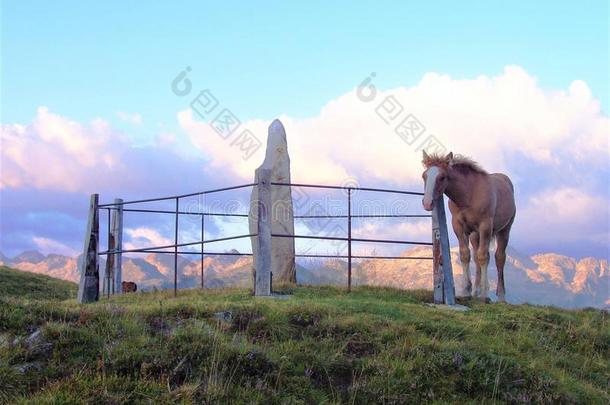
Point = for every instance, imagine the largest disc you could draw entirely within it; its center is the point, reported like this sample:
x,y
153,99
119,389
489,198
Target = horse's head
x,y
435,177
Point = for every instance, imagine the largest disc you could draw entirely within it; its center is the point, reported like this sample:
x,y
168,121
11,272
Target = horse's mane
x,y
459,162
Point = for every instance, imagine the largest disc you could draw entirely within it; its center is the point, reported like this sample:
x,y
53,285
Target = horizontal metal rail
x,y
379,190
368,257
187,252
394,257
173,197
402,242
145,250
364,216
211,214
220,214
155,248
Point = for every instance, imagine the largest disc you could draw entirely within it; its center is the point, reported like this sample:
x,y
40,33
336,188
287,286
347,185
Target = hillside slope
x,y
15,283
321,345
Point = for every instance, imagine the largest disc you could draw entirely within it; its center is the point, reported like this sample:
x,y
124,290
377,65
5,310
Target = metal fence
x,y
117,209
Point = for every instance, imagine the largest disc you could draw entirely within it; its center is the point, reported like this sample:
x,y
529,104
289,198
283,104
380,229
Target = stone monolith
x,y
282,214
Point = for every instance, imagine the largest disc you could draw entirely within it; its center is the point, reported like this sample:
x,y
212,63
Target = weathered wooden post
x,y
88,266
349,240
176,222
203,247
262,258
437,270
117,234
109,270
444,290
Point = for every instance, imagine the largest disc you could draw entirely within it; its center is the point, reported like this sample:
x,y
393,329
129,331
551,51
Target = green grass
x,y
322,345
15,283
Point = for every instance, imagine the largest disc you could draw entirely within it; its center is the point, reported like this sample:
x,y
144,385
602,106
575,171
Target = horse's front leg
x,y
474,241
462,237
485,233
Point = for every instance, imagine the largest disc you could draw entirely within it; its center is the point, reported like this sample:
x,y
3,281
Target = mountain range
x,y
544,279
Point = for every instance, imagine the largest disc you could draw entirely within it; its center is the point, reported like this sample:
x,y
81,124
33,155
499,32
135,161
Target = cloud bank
x,y
497,120
553,144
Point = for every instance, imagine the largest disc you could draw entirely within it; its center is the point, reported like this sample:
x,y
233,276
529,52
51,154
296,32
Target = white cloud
x,y
132,118
489,118
46,246
565,214
414,230
58,154
144,237
54,152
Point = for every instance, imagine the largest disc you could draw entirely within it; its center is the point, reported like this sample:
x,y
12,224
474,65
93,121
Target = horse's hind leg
x,y
474,241
501,244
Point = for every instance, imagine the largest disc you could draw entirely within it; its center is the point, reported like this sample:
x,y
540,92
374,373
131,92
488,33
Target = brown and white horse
x,y
482,206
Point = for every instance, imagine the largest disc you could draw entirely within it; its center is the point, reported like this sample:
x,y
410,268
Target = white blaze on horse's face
x,y
430,177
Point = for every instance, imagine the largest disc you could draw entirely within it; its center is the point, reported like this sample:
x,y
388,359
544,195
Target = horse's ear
x,y
449,156
425,155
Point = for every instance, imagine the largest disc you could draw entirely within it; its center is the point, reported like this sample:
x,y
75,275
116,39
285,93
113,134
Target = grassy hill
x,y
322,345
15,283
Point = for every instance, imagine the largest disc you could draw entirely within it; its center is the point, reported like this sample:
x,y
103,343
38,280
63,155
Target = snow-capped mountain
x,y
545,279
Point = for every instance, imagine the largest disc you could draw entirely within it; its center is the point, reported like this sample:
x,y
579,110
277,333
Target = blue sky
x,y
85,61
268,58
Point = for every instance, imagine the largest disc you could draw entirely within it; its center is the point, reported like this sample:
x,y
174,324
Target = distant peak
x,y
32,256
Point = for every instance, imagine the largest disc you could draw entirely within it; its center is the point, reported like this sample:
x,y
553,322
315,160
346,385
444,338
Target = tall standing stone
x,y
88,266
282,214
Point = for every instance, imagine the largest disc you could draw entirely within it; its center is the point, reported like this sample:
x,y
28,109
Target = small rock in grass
x,y
34,339
27,367
225,316
42,350
3,340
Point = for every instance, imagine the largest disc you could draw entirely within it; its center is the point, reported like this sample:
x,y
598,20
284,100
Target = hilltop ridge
x,y
321,345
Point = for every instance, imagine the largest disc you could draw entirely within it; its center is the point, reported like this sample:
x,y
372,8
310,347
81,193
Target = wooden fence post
x,y
444,290
88,265
349,240
437,270
262,259
176,223
109,270
117,233
203,247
